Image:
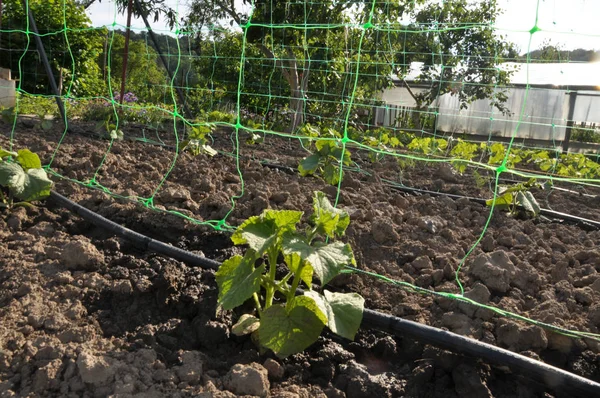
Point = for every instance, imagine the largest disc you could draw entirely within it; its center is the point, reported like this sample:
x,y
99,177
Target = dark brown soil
x,y
87,314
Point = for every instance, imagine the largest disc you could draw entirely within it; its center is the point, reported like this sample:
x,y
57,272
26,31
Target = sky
x,y
570,23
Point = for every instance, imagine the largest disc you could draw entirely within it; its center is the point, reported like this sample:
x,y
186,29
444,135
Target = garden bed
x,y
86,313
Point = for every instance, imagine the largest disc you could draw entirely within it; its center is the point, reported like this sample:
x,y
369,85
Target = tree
x,y
144,77
460,53
155,8
73,53
334,52
550,52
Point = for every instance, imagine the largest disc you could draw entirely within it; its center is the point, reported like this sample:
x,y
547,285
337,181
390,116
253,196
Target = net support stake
x,y
44,57
126,51
570,122
161,55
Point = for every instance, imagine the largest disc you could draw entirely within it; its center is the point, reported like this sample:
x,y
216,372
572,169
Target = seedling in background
x,y
517,195
498,153
112,131
197,143
253,137
480,180
428,145
286,323
23,179
381,144
326,161
462,152
8,115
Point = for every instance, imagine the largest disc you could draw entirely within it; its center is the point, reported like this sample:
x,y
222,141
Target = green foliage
x,y
480,180
517,195
306,72
583,134
218,116
327,160
463,151
23,178
497,154
72,55
286,323
428,146
197,142
464,53
144,76
381,141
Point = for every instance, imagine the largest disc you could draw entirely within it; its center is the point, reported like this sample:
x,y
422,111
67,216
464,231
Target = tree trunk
x,y
298,85
415,114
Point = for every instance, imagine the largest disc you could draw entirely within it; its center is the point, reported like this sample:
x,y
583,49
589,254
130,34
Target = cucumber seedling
x,y
197,142
284,322
327,160
22,180
510,197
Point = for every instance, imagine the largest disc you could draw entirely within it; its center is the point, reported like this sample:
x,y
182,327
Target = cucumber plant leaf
x,y
245,325
309,165
238,280
502,201
327,219
295,264
527,200
261,232
291,328
5,154
331,174
327,260
28,160
343,311
27,186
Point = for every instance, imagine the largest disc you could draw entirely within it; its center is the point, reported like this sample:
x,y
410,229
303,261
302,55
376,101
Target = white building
x,y
538,99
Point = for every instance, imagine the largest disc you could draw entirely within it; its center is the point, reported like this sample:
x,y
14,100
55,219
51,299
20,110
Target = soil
x,y
86,314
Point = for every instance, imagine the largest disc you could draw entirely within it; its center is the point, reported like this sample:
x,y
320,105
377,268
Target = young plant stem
x,y
270,288
295,283
267,283
257,303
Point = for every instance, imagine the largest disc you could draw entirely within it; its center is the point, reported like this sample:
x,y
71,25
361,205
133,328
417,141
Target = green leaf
x,y
116,135
5,154
28,160
237,280
245,325
290,329
26,186
331,174
261,232
395,142
324,147
502,201
527,200
327,260
46,125
293,261
328,220
285,220
309,165
207,149
344,311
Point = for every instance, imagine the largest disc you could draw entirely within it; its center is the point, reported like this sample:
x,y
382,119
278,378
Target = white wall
x,y
7,89
537,113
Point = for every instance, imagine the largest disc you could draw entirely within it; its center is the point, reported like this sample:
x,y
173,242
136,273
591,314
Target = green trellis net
x,y
420,82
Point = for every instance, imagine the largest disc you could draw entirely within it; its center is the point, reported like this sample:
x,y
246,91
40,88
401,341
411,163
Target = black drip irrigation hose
x,y
583,222
142,241
553,378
